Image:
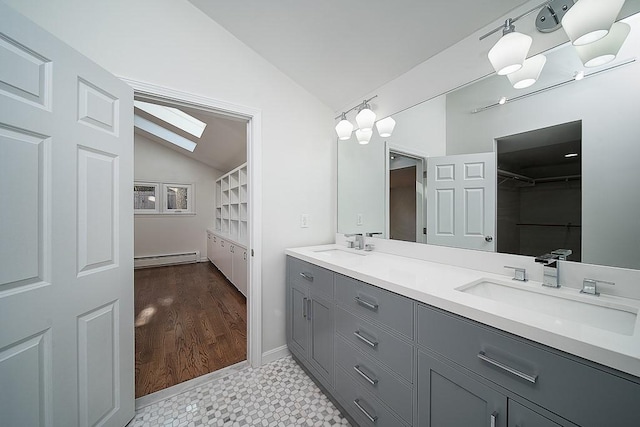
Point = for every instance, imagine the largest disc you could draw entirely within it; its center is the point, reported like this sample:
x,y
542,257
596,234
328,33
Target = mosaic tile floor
x,y
277,394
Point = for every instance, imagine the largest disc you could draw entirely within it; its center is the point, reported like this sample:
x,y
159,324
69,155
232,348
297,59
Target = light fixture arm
x,y
510,21
360,106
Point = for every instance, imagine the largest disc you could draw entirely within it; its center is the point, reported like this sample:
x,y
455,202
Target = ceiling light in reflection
x,y
145,315
568,156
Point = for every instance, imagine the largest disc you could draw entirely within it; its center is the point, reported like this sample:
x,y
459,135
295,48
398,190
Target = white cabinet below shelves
x,y
230,258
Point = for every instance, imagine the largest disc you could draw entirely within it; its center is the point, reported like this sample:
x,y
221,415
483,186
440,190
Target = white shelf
x,y
232,208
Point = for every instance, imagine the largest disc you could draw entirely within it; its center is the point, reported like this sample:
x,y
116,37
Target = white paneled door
x,y
66,235
461,201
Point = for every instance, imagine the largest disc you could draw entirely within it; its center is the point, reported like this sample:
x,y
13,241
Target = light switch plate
x,y
304,221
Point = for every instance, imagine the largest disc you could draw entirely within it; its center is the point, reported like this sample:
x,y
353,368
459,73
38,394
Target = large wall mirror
x,y
556,166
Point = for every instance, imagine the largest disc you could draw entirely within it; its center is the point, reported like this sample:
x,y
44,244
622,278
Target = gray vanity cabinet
x,y
310,317
521,416
450,398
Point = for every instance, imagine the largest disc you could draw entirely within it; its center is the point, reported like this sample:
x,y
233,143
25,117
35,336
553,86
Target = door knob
x,y
488,238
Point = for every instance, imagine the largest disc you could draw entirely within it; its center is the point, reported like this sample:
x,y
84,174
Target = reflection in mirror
x,y
405,178
603,106
539,197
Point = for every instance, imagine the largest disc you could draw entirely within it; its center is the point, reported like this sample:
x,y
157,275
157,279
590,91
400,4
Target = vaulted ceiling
x,y
341,50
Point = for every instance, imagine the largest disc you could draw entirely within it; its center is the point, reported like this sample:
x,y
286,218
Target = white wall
x,y
171,43
166,234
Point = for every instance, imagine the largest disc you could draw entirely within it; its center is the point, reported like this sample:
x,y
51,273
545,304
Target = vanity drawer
x,y
384,347
371,412
372,377
574,390
303,273
390,309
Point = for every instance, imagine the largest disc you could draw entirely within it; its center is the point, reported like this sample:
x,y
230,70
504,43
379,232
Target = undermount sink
x,y
339,253
610,316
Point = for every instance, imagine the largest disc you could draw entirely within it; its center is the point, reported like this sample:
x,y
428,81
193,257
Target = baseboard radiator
x,y
166,259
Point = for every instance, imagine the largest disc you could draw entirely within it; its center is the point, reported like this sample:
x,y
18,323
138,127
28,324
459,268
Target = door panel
x,y
298,320
66,245
321,352
461,201
449,398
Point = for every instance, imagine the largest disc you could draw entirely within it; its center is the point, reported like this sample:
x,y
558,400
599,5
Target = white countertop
x,y
435,284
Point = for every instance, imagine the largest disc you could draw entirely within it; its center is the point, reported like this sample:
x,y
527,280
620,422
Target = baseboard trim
x,y
275,354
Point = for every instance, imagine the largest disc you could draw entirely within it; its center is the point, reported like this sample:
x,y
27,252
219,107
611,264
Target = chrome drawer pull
x,y
372,381
494,418
365,340
366,304
307,276
530,378
304,307
373,419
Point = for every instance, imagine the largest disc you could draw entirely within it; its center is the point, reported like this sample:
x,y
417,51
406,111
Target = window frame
x,y
158,200
190,199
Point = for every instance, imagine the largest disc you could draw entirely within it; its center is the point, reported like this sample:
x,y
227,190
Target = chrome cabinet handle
x,y
530,378
367,341
304,307
366,304
372,381
373,418
494,418
307,276
309,308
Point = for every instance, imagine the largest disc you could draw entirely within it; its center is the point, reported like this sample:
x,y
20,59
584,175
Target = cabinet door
x,y
450,398
298,323
239,265
321,350
210,246
225,258
521,416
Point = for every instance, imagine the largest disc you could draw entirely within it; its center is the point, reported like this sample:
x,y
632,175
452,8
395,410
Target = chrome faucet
x,y
358,242
549,269
590,286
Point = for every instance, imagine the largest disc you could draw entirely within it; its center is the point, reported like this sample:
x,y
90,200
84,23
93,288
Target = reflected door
x,y
66,234
461,201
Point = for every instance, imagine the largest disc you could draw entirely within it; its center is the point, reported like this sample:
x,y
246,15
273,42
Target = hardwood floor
x,y
189,321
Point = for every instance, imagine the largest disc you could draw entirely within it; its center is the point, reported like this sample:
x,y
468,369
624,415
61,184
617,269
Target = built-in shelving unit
x,y
232,205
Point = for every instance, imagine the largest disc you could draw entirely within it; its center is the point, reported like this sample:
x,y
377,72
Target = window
x,y
162,198
145,198
177,198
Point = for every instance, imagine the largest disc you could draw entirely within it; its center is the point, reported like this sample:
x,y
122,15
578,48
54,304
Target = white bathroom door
x,y
66,235
461,201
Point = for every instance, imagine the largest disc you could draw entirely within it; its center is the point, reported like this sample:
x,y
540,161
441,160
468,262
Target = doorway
x,y
405,196
539,198
250,326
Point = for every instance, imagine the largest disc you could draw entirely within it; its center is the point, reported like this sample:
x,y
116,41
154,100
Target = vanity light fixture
x,y
365,119
385,127
604,50
509,53
529,73
364,136
344,128
590,20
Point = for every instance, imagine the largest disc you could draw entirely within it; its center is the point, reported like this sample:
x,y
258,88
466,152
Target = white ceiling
x,y
223,144
341,50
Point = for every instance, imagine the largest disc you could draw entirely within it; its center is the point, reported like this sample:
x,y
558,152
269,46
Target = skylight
x,y
174,117
165,134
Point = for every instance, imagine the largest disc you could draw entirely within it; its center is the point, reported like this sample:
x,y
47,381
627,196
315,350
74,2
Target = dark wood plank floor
x,y
190,320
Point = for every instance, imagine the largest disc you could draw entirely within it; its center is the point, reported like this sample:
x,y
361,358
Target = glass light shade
x,y
344,129
364,135
590,20
365,119
508,54
529,73
604,50
385,127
